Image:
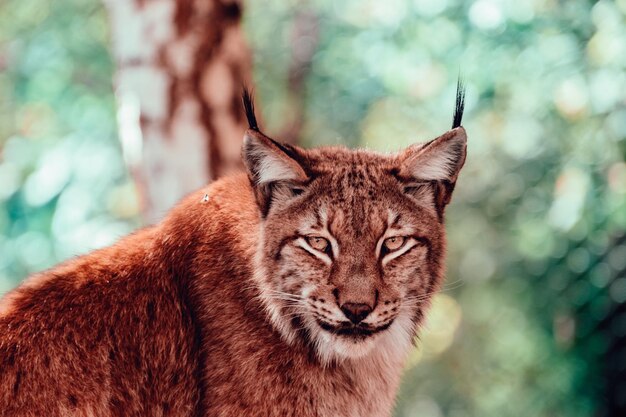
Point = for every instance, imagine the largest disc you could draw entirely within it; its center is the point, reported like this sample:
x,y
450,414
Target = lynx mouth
x,y
353,331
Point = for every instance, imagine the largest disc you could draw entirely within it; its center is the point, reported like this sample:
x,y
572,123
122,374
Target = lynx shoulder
x,y
295,289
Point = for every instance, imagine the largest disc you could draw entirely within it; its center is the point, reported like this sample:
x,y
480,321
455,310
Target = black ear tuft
x,y
460,103
248,105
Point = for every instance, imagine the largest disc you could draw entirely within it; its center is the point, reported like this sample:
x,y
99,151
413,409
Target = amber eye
x,y
393,243
318,243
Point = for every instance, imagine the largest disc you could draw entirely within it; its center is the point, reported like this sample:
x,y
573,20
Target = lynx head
x,y
352,241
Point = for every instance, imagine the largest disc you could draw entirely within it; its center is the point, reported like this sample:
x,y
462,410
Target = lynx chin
x,y
296,289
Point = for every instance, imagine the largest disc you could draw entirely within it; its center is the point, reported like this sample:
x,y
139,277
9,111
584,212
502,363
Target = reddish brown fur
x,y
169,321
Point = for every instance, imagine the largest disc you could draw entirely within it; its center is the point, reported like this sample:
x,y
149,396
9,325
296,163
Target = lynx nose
x,y
356,312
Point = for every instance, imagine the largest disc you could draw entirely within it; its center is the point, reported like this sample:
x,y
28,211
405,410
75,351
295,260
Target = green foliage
x,y
64,186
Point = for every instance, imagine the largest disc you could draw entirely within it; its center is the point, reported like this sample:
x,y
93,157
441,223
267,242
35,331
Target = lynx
x,y
295,290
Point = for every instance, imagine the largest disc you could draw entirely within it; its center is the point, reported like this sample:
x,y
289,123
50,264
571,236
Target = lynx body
x,y
294,290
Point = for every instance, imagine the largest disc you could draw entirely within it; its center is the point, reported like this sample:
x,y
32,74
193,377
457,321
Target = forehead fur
x,y
355,190
352,176
329,159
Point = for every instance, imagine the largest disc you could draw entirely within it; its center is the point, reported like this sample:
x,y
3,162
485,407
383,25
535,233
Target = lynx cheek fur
x,y
293,291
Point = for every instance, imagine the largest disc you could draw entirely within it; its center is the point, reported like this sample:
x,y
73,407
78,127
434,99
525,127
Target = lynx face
x,y
352,242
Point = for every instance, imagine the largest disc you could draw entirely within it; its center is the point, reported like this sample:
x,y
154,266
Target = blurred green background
x,y
532,319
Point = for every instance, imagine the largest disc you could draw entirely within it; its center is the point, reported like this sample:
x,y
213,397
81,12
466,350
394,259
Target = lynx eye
x,y
318,243
393,243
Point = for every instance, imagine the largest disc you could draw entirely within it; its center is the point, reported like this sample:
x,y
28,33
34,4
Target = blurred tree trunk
x,y
180,68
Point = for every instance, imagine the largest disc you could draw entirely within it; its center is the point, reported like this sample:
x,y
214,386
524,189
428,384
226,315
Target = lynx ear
x,y
268,161
272,169
429,171
438,160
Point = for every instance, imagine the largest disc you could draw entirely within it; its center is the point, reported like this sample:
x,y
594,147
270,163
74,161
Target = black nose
x,y
356,312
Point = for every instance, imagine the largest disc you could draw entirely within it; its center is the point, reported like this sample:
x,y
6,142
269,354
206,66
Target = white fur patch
x,y
410,242
309,227
438,167
260,277
440,159
402,231
272,167
321,256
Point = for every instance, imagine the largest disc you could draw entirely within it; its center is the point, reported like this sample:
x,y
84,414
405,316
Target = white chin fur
x,y
330,347
347,348
392,344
